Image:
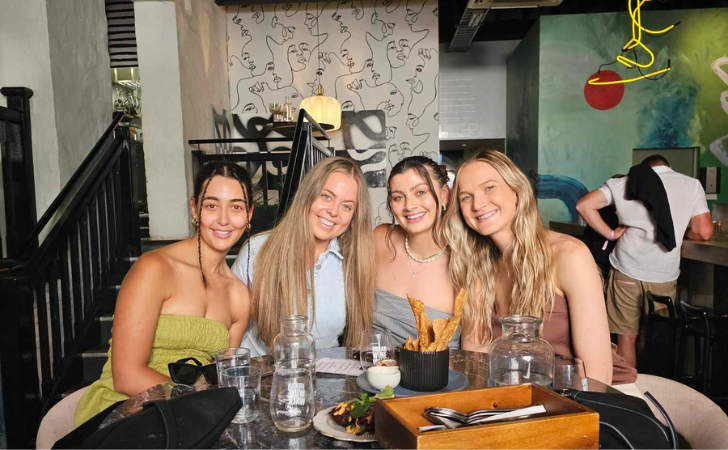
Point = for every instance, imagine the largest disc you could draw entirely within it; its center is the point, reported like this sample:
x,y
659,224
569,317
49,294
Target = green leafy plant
x,y
365,401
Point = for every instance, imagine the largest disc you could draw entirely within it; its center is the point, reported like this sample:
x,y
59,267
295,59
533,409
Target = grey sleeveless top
x,y
393,313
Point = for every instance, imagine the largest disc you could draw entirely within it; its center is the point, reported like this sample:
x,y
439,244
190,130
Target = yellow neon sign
x,y
636,41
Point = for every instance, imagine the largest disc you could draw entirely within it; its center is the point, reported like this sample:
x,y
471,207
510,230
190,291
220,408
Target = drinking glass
x,y
230,357
569,373
292,404
375,346
246,379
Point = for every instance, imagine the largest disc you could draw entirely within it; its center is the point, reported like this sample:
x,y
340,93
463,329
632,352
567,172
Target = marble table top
x,y
330,390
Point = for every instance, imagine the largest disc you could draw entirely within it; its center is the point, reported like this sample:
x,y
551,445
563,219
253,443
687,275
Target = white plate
x,y
325,424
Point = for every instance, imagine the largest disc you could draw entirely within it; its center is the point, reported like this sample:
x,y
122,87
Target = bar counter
x,y
704,267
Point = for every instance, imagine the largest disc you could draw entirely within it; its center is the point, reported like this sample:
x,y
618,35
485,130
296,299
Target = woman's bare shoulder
x,y
564,245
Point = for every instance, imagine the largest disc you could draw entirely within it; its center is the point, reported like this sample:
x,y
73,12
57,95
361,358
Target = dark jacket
x,y
645,184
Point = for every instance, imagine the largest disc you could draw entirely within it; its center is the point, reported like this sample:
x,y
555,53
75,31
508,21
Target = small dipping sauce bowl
x,y
382,376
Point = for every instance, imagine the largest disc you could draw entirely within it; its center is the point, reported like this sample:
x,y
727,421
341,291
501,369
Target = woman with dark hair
x,y
181,300
412,257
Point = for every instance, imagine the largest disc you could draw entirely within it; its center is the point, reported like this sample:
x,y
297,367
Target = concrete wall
x,y
203,70
159,70
183,68
522,103
473,91
25,61
58,49
81,84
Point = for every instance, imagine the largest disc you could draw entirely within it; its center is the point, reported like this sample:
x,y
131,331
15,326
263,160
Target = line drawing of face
x,y
412,121
298,56
287,32
415,83
394,99
247,61
398,52
386,29
357,9
369,72
291,8
250,108
348,106
391,5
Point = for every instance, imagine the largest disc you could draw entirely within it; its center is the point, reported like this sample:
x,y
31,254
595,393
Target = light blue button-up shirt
x,y
328,279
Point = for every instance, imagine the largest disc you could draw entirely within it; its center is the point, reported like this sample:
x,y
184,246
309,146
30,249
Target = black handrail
x,y
72,183
17,167
50,294
305,154
306,151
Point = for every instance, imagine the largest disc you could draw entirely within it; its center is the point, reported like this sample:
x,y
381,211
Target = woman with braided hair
x,y
181,300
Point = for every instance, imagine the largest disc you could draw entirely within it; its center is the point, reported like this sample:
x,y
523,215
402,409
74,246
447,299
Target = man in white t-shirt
x,y
639,263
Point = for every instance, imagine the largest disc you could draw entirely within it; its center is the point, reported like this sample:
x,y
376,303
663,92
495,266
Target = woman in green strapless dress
x,y
181,300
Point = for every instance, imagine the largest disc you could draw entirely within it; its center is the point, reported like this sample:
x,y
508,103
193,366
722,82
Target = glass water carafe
x,y
519,356
294,346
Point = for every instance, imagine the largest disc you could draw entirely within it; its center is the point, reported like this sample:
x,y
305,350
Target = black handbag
x,y
626,421
194,420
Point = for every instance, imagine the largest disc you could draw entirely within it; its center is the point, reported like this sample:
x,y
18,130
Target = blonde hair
x,y
284,266
474,258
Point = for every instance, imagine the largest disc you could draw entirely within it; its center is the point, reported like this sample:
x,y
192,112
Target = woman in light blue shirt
x,y
324,241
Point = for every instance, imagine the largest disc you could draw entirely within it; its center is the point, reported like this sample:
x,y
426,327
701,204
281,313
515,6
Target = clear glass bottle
x,y
520,356
294,346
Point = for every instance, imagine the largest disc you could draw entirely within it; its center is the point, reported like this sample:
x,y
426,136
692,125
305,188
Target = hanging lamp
x,y
323,109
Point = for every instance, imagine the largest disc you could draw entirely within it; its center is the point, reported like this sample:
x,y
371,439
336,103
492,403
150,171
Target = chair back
x,y
663,300
696,319
59,420
696,418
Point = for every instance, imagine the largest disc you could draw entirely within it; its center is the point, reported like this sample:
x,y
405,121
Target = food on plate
x,y
433,336
357,416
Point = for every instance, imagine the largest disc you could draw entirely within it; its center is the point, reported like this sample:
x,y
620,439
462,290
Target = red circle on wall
x,y
605,96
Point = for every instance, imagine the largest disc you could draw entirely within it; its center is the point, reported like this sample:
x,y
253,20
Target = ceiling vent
x,y
509,4
475,13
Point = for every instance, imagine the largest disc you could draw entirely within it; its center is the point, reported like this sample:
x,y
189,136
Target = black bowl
x,y
424,371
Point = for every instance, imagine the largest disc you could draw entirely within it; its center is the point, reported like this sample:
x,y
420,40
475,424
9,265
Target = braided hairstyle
x,y
419,164
202,181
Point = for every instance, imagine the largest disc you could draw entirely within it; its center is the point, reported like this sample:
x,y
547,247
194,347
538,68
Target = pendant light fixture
x,y
323,109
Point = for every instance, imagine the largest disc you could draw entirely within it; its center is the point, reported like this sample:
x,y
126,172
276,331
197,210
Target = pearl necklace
x,y
420,260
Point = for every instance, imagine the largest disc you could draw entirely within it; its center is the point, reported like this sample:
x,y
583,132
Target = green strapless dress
x,y
176,337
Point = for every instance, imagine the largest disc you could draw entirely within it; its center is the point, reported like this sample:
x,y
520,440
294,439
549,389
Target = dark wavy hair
x,y
419,164
202,181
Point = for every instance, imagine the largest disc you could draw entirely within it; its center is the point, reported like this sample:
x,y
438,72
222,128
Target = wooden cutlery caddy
x,y
565,424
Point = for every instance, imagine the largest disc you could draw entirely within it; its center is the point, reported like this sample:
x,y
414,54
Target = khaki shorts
x,y
626,300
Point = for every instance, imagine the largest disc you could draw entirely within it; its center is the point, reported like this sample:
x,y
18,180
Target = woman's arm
x,y
240,311
578,277
138,306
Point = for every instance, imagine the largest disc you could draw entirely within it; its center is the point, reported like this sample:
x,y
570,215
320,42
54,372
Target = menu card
x,y
339,366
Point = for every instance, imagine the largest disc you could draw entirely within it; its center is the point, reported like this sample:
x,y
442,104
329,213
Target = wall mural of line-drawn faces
x,y
370,55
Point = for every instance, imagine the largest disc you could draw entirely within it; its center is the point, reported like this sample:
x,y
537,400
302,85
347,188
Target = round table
x,y
330,390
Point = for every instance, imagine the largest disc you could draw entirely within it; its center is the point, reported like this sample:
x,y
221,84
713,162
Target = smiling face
x,y
488,204
224,213
412,202
333,210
